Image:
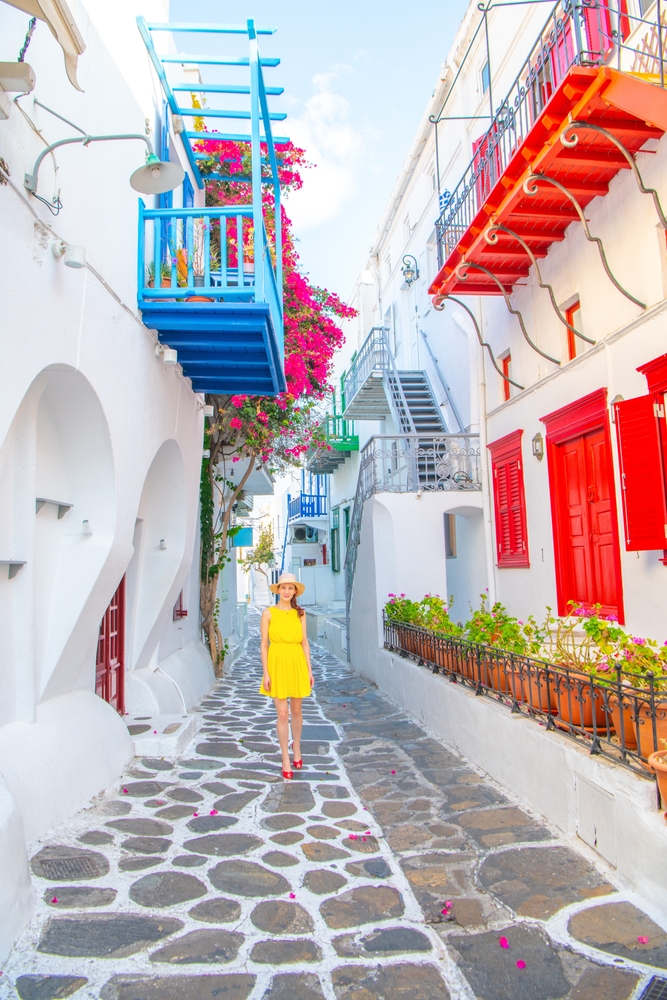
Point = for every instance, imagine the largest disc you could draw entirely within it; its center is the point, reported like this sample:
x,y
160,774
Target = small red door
x,y
110,665
587,523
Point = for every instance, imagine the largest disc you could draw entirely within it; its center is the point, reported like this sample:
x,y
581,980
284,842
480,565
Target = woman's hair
x,y
299,611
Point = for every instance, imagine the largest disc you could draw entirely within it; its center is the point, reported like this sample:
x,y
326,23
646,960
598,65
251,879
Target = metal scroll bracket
x,y
439,302
572,140
491,237
462,274
531,188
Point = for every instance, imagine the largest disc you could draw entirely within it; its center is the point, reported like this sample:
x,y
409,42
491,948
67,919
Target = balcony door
x,y
583,507
110,664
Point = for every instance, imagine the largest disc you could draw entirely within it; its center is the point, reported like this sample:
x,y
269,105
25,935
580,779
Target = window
x,y
179,610
642,479
506,366
509,501
485,76
335,540
573,317
450,536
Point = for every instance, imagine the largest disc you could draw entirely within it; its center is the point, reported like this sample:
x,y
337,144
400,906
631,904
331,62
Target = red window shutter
x,y
642,476
509,501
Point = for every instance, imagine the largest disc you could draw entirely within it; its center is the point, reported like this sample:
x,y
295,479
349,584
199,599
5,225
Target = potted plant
x,y
495,627
658,763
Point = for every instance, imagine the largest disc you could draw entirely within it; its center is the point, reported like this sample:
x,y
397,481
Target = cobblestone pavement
x,y
389,869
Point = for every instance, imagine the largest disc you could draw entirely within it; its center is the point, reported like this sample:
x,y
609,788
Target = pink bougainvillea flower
x,y
642,939
353,836
393,772
195,814
160,802
364,839
521,964
125,792
55,899
235,458
503,942
368,833
213,812
292,895
236,423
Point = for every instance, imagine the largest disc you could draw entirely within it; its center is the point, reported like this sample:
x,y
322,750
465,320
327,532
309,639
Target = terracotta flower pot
x,y
623,715
658,763
578,702
643,716
199,283
529,685
493,674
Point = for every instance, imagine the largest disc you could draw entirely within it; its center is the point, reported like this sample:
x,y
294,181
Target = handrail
x,y
373,355
410,463
576,33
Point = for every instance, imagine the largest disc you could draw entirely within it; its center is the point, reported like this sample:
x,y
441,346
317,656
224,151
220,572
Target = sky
x,y
357,78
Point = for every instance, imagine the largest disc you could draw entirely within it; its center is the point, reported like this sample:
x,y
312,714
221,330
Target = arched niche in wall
x,y
152,582
56,472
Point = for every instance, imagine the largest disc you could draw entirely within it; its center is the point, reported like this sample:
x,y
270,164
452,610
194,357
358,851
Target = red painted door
x,y
586,529
110,665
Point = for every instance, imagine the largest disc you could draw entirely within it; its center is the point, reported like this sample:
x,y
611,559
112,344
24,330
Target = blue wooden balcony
x,y
308,505
222,315
209,279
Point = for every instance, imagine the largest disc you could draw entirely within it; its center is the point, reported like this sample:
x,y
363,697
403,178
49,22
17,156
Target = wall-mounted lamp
x,y
154,177
87,527
209,411
74,256
206,453
410,270
168,354
163,544
617,399
538,446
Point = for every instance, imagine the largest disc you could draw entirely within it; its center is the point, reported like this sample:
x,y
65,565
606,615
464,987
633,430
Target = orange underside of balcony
x,y
631,108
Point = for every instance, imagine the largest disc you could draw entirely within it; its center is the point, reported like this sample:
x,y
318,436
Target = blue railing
x,y
187,253
308,505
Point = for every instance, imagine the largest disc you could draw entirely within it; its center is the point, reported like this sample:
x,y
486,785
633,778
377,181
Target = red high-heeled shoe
x,y
298,764
288,774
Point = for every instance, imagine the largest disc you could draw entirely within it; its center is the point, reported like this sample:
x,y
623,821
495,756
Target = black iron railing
x,y
578,33
623,718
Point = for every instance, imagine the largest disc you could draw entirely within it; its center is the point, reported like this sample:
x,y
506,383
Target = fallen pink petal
x,y
521,964
503,942
393,772
642,939
213,812
292,895
195,814
55,899
125,791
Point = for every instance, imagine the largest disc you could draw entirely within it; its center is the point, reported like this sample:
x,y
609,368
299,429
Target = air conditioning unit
x,y
304,533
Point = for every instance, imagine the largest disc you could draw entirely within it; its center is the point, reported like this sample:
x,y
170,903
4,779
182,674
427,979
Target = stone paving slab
x,y
389,869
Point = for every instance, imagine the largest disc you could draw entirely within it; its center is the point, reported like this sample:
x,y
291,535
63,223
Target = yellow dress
x,y
287,664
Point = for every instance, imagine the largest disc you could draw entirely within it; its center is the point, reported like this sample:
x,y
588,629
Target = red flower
x,y
236,423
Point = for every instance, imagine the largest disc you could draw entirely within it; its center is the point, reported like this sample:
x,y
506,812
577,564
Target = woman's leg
x,y
297,726
282,725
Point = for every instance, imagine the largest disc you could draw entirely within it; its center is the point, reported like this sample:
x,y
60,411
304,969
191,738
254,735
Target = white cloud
x,y
332,145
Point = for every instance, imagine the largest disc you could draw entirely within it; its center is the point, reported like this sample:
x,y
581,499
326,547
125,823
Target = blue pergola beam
x,y
171,100
275,116
212,29
189,60
230,137
223,88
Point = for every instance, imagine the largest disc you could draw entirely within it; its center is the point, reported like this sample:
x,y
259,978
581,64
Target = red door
x,y
586,529
110,665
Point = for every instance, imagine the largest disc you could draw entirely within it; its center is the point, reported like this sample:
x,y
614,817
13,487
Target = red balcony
x,y
565,80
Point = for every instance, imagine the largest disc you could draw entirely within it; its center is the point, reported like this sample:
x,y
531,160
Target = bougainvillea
x,y
274,431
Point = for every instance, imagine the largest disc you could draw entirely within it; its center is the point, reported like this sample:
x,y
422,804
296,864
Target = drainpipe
x,y
478,423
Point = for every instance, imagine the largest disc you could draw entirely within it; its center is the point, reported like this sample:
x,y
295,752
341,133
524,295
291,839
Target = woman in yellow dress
x,y
288,675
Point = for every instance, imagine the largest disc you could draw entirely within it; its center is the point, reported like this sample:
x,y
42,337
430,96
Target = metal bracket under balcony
x,y
365,393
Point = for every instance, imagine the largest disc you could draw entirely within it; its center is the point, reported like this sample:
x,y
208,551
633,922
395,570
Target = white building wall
x,y
89,416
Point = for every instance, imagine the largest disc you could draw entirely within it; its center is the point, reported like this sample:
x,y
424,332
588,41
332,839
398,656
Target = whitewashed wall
x,y
90,416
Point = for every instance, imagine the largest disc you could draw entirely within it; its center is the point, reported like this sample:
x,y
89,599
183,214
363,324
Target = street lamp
x,y
410,270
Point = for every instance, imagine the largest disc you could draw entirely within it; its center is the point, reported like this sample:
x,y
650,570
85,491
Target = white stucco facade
x,y
94,422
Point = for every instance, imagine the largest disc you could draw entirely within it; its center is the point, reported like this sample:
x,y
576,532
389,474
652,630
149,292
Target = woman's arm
x,y
264,647
306,650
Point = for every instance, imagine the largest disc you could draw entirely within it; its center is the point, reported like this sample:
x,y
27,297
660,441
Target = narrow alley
x,y
388,868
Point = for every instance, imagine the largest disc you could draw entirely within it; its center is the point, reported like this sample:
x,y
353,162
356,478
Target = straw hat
x,y
288,578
